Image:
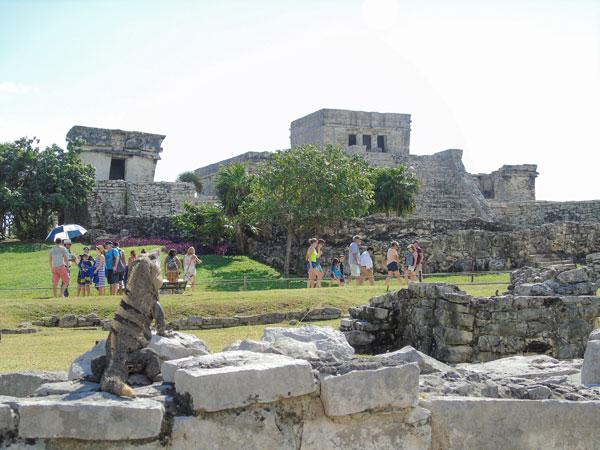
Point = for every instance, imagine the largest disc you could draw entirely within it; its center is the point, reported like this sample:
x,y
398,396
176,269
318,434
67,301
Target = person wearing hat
x,y
71,258
59,260
86,273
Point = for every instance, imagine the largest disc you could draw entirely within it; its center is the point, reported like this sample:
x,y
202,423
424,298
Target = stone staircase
x,y
546,260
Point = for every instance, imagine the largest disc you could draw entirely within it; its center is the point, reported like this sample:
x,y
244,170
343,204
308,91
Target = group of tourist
x,y
360,264
109,268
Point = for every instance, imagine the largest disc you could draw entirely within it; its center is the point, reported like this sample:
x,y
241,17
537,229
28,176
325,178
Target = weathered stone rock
x,y
68,321
106,418
408,429
309,342
590,371
533,289
234,379
252,429
361,390
23,384
178,345
482,423
8,420
426,363
66,387
529,367
251,346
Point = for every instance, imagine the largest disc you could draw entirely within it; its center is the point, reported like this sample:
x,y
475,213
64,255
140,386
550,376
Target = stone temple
x,y
464,221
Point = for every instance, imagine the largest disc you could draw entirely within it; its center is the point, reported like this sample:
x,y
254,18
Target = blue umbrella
x,y
70,231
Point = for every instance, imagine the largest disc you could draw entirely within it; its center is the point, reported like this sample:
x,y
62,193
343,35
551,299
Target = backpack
x,y
172,264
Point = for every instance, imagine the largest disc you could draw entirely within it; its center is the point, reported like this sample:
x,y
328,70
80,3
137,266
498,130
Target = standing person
x,y
120,269
366,265
354,260
100,270
320,271
172,266
112,260
86,273
71,259
132,258
335,276
393,264
419,265
410,259
189,266
311,262
58,259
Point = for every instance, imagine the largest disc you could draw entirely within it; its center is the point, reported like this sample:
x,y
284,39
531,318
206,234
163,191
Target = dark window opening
x,y
367,141
351,139
117,169
381,143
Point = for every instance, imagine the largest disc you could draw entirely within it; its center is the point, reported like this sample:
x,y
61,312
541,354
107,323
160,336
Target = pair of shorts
x,y
411,268
60,273
354,270
310,265
112,277
393,267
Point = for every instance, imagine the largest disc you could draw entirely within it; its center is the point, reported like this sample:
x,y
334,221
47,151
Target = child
x,y
342,259
336,274
86,273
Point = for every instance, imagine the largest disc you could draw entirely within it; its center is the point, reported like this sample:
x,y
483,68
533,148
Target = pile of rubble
x,y
563,279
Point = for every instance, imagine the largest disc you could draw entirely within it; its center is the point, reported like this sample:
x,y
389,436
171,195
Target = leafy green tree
x,y
395,190
232,186
306,189
191,177
36,185
205,222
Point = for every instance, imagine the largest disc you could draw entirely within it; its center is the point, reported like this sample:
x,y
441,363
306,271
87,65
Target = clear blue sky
x,y
508,81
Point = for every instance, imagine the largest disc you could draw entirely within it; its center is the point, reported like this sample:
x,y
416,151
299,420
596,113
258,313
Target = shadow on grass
x,y
22,247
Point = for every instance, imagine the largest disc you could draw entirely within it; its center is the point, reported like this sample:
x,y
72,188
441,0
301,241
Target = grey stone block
x,y
235,379
23,384
361,390
108,418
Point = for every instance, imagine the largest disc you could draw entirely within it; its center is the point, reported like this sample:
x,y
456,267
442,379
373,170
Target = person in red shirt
x,y
419,264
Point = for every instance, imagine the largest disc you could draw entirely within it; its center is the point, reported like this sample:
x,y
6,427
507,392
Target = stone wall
x,y
209,173
532,213
452,326
333,126
510,183
449,245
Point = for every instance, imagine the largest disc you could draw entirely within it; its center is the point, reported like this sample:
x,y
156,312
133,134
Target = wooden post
x,y
245,282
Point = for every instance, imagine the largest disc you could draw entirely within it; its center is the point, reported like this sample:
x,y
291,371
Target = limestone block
x,y
23,384
8,420
533,289
68,321
573,276
251,429
82,366
408,430
359,338
452,336
234,379
485,423
426,363
251,346
310,343
107,418
361,390
590,371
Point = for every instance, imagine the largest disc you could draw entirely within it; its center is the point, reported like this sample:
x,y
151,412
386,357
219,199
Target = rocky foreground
x,y
303,388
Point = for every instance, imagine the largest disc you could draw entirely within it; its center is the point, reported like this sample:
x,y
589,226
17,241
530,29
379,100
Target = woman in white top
x,y
189,266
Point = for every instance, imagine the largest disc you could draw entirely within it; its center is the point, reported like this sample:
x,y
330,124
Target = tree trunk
x,y
288,251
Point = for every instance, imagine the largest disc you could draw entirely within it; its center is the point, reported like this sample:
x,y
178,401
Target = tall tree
x,y
306,189
395,190
205,222
232,186
191,177
37,184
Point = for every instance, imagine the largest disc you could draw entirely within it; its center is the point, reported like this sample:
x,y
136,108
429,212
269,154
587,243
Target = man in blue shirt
x,y
112,261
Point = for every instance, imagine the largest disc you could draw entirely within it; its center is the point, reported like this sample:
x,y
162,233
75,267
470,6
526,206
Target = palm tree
x,y
232,186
